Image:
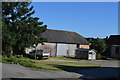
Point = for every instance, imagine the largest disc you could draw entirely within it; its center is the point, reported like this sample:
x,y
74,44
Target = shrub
x,y
15,60
98,56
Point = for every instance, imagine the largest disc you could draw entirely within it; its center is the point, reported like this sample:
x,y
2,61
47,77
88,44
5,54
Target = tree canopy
x,y
98,44
20,29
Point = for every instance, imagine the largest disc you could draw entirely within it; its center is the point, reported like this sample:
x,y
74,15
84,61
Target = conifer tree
x,y
20,29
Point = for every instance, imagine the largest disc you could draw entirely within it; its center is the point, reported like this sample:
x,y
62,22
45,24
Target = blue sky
x,y
89,19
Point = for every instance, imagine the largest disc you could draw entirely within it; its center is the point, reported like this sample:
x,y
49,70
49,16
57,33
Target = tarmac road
x,y
109,69
17,71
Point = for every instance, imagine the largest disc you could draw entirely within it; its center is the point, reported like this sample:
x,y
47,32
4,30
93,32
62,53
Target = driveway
x,y
107,63
17,71
109,69
103,63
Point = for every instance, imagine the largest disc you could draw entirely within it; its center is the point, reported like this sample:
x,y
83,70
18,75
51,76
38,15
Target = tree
x,y
101,45
98,44
20,30
8,40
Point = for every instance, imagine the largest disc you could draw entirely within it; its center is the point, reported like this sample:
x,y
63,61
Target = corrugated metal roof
x,y
59,36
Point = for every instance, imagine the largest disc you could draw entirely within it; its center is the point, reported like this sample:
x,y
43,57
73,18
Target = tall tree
x,y
20,26
98,44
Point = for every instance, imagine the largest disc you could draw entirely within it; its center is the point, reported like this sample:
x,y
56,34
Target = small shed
x,y
89,54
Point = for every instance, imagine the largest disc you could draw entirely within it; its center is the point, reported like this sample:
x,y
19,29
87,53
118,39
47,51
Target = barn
x,y
62,43
113,50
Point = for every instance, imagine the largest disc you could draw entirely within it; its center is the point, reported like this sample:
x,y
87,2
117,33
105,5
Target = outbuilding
x,y
113,49
89,54
62,43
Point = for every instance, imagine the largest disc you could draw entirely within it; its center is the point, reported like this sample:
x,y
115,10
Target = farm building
x,y
113,43
62,43
89,54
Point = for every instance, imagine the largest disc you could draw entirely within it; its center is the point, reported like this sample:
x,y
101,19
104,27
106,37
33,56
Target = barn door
x,y
72,48
62,49
90,55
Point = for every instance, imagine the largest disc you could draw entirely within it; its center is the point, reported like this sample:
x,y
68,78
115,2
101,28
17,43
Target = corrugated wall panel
x,y
62,49
72,48
66,49
51,46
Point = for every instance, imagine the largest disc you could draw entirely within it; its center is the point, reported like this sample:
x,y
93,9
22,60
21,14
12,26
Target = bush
x,y
98,56
5,60
10,59
15,60
27,63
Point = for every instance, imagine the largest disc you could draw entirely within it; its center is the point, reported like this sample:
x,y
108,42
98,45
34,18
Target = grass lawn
x,y
66,58
0,58
51,65
74,59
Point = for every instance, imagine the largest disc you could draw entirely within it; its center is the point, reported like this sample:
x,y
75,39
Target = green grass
x,y
21,61
0,58
66,58
53,65
49,65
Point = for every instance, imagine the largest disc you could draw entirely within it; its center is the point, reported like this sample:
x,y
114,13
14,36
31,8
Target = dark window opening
x,y
117,50
77,45
90,52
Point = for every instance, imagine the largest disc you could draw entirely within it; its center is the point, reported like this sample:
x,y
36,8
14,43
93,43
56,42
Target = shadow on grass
x,y
72,68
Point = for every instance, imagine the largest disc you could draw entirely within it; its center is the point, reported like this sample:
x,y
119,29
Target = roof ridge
x,y
62,30
114,35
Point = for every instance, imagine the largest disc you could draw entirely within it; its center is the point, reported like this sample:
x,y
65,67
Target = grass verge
x,y
66,58
49,65
0,58
21,61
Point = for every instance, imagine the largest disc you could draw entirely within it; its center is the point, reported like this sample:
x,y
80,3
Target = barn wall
x,y
84,46
51,46
72,48
62,49
113,52
66,49
82,54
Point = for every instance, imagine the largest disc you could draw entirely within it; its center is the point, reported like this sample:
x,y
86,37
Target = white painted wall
x,y
27,50
92,56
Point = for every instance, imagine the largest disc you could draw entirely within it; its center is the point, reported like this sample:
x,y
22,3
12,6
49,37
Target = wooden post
x,y
35,51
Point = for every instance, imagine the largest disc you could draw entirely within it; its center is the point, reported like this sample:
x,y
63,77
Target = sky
x,y
76,0
89,19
